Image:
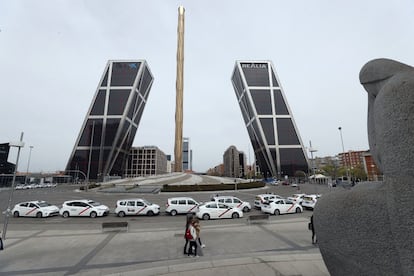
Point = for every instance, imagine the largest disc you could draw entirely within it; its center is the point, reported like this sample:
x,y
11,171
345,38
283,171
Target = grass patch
x,y
90,186
211,187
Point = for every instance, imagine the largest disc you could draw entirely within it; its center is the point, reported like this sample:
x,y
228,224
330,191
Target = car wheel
x,y
298,210
39,214
16,214
235,215
277,212
246,209
150,213
121,214
65,214
93,215
206,216
173,212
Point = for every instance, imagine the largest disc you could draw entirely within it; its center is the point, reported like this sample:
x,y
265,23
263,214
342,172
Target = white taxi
x,y
260,199
181,205
297,198
233,202
136,206
83,207
217,210
309,201
37,209
281,206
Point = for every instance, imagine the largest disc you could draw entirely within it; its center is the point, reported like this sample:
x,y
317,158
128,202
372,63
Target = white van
x,y
233,202
181,205
135,207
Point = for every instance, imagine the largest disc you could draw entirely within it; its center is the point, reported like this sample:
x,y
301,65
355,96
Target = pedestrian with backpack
x,y
191,236
187,225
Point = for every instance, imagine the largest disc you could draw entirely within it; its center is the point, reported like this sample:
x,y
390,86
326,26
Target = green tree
x,y
358,172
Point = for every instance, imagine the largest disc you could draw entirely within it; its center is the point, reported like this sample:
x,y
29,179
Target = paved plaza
x,y
154,245
277,247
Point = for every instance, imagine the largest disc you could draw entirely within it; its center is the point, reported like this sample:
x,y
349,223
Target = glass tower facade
x,y
109,128
273,133
187,155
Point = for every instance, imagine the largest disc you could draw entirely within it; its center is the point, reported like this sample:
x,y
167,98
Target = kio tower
x,y
269,121
108,131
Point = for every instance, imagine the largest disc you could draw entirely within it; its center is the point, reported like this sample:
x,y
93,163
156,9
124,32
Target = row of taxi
x,y
275,204
217,207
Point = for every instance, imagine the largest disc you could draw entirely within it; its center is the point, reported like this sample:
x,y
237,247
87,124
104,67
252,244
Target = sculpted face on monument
x,y
390,87
369,229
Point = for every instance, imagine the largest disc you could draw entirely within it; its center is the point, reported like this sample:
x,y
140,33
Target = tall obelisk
x,y
179,84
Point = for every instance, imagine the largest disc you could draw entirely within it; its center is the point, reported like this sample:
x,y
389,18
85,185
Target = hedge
x,y
210,187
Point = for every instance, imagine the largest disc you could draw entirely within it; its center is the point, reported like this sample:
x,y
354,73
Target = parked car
x,y
181,205
217,210
275,182
36,208
136,206
281,206
309,201
297,198
262,198
234,202
19,187
83,207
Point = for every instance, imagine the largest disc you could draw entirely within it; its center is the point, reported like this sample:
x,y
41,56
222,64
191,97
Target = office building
x,y
187,155
275,138
351,158
109,128
371,169
234,162
5,167
146,161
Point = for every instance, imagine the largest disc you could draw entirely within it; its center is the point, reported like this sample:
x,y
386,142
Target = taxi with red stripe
x,y
181,205
84,208
281,206
233,202
217,210
136,207
36,208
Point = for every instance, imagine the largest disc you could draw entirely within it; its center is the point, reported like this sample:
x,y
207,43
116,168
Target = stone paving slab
x,y
235,249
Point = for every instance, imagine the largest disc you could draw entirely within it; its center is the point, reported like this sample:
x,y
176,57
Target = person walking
x,y
197,227
191,235
312,228
187,225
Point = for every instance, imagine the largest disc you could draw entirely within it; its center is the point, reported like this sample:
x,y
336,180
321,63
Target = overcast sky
x,y
53,53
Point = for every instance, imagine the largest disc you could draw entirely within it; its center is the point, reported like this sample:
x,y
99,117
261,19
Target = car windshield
x,y
43,204
146,202
93,203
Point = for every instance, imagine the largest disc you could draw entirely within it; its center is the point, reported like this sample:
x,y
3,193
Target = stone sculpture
x,y
369,229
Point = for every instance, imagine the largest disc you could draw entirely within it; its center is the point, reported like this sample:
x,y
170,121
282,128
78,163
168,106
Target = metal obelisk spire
x,y
178,148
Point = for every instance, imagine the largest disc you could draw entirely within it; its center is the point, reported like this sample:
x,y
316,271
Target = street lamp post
x,y
28,161
19,145
312,150
343,153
